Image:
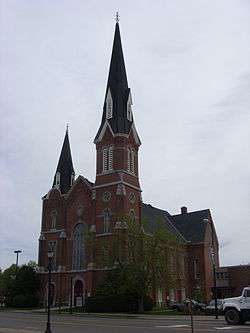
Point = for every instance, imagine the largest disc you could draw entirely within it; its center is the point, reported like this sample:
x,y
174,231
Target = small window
x,y
129,108
196,269
53,216
106,221
129,111
109,105
57,180
247,293
128,160
131,160
110,158
105,160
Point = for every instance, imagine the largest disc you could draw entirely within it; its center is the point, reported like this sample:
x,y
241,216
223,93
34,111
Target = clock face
x,y
106,196
132,197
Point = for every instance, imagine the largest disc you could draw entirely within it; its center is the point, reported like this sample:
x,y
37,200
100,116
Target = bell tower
x,y
117,190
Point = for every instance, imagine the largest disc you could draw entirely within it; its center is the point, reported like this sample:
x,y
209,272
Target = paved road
x,y
23,322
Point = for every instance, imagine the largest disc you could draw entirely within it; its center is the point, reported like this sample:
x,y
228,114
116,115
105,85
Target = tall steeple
x,y
117,108
65,173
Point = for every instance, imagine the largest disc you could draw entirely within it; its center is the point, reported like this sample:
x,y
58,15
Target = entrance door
x,y
78,293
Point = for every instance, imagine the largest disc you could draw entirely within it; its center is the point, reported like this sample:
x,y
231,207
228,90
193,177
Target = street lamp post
x,y
17,253
48,328
215,285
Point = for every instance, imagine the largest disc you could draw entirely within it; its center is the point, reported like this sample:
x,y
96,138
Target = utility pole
x,y
215,285
48,325
17,253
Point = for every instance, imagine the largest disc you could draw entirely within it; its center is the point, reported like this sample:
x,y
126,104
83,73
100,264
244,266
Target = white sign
x,y
79,300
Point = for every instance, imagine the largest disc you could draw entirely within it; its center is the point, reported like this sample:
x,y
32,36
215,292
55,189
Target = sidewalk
x,y
120,315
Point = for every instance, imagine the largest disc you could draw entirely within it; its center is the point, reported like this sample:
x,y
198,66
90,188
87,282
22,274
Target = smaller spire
x,y
67,128
65,171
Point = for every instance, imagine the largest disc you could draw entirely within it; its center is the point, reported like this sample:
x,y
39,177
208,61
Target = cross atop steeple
x,y
117,17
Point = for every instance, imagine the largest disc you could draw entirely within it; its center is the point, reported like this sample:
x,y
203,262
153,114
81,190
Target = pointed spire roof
x,y
65,166
118,86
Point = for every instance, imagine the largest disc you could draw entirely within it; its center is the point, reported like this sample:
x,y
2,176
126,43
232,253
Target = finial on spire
x,y
117,17
67,128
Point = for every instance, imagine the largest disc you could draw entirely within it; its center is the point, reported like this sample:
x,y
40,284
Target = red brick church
x,y
74,205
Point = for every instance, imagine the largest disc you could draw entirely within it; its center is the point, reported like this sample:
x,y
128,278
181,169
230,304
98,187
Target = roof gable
x,y
192,225
152,217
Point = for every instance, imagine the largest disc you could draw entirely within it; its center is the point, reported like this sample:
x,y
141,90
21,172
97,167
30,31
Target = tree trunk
x,y
141,305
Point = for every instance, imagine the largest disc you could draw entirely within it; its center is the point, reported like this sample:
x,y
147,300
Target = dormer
x,y
57,180
129,108
109,105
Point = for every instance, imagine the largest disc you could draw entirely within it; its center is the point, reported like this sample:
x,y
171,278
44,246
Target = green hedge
x,y
116,303
24,301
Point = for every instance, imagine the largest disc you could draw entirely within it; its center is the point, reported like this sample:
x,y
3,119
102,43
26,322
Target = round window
x,y
106,196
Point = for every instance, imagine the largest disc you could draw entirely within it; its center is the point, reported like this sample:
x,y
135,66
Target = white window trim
x,y
129,108
131,161
58,176
128,166
107,159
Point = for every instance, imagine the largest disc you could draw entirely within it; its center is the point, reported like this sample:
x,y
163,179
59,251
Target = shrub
x,y
25,301
148,303
116,303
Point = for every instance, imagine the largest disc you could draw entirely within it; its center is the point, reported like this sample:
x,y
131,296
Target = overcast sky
x,y
188,66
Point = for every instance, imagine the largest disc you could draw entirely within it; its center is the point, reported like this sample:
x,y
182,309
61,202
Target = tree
x,y
21,286
142,262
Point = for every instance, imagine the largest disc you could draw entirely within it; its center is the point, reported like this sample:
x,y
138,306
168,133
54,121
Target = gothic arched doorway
x,y
78,293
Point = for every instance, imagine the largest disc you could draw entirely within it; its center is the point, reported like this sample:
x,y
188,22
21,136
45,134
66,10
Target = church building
x,y
75,205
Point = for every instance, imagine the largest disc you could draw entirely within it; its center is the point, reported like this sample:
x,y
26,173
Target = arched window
x,y
108,159
131,160
106,221
53,216
132,215
78,258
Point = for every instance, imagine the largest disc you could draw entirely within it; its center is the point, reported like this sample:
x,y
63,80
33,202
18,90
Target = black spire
x,y
118,86
65,173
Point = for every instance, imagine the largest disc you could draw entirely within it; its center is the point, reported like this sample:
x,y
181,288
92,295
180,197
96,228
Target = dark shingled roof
x,y
151,216
65,166
192,225
118,85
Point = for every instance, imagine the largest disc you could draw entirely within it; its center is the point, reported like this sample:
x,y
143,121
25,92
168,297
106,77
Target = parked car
x,y
177,306
210,308
196,306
